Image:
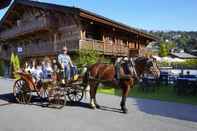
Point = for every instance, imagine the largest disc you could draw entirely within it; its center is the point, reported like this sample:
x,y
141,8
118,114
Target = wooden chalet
x,y
32,29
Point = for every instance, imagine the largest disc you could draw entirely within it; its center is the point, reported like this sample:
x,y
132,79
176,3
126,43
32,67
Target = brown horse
x,y
102,73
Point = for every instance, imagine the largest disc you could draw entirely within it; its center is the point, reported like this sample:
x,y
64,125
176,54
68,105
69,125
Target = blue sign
x,y
19,49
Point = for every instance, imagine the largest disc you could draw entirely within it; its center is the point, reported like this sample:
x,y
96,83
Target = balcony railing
x,y
134,52
104,47
44,48
29,27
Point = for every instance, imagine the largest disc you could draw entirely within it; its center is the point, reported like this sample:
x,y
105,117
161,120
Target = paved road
x,y
144,115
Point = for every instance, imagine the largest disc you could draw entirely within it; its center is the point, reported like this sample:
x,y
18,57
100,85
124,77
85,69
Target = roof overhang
x,y
104,20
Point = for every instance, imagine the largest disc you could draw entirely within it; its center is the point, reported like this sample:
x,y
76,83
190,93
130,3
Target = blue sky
x,y
146,14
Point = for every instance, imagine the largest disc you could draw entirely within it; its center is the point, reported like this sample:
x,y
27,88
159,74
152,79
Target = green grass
x,y
163,93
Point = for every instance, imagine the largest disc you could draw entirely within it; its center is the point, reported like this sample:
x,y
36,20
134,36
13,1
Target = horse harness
x,y
134,69
128,67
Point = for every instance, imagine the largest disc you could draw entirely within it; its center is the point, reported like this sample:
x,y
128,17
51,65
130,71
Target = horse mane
x,y
141,59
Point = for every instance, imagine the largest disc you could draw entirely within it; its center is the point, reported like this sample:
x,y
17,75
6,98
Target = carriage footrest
x,y
56,98
56,106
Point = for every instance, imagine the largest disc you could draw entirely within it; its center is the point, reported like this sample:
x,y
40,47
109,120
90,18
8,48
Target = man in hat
x,y
66,63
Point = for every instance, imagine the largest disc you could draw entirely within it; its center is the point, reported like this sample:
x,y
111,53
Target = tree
x,y
183,41
15,64
164,50
170,45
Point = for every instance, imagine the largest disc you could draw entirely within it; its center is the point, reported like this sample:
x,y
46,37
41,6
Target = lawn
x,y
163,93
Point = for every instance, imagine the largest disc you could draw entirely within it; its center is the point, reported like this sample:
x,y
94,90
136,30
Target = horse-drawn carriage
x,y
57,92
52,91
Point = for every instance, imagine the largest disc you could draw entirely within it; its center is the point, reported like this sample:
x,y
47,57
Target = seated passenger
x,y
47,69
34,69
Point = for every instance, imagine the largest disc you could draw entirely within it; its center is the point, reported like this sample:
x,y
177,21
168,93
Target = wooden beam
x,y
116,25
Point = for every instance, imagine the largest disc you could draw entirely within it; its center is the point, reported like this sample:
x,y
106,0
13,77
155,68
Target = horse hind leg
x,y
92,94
93,90
95,101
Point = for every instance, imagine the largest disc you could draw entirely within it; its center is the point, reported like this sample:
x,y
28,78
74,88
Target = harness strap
x,y
134,69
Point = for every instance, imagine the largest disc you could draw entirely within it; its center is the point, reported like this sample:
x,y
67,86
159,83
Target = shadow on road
x,y
8,98
168,109
110,109
86,105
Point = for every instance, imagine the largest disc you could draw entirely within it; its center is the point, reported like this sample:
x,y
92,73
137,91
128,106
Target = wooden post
x,y
55,41
93,44
138,42
103,38
104,48
81,34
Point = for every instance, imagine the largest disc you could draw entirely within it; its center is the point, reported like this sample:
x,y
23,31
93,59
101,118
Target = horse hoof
x,y
124,110
92,107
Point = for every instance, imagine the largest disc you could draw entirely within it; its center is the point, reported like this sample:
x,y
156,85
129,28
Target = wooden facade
x,y
32,28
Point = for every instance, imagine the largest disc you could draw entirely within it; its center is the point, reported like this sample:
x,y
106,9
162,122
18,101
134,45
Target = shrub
x,y
187,64
163,50
86,57
105,60
15,64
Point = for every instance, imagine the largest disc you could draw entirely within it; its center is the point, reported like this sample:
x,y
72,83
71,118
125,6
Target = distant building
x,y
182,55
193,52
176,36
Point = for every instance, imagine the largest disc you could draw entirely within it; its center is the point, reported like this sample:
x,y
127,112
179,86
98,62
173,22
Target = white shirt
x,y
64,59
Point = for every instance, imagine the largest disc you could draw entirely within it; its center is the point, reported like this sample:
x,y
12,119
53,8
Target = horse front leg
x,y
123,104
125,91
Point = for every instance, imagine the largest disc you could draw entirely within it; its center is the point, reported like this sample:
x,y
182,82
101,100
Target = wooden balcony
x,y
134,52
41,48
54,48
42,23
104,48
72,45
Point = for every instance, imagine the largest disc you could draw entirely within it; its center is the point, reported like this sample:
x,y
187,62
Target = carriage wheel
x,y
22,92
75,93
